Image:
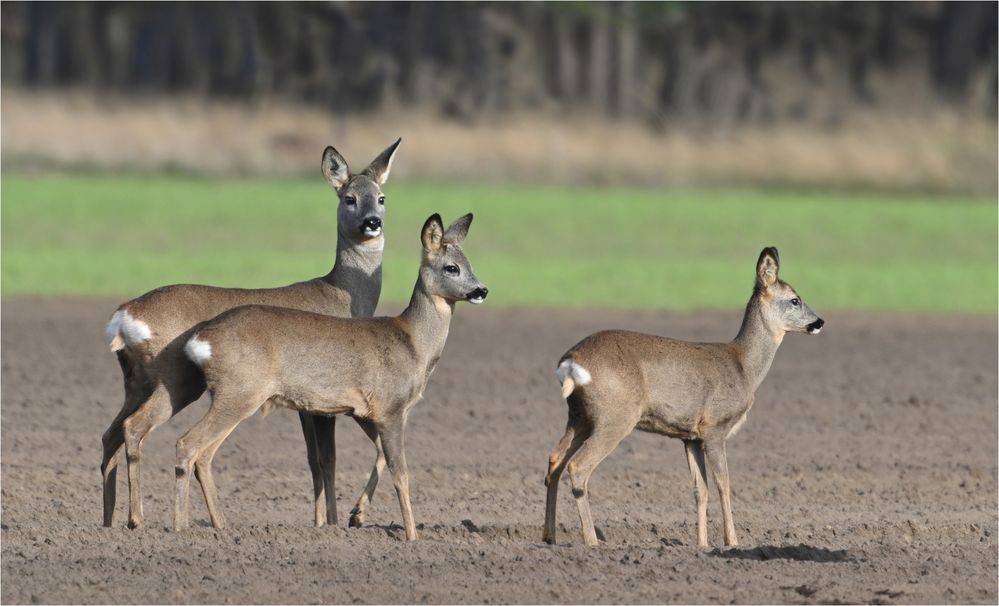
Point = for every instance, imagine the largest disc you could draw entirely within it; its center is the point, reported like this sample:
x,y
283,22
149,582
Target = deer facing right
x,y
373,369
617,381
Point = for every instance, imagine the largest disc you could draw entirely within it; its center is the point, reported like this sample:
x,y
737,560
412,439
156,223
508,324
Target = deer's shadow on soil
x,y
800,552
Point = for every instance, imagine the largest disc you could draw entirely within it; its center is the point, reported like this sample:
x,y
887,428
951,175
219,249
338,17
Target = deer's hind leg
x,y
607,434
148,416
113,439
199,445
113,442
576,432
177,383
203,471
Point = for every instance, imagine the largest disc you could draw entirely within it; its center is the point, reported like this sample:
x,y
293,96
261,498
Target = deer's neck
x,y
756,344
428,318
357,271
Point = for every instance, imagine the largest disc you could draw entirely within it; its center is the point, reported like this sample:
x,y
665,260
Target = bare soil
x,y
867,472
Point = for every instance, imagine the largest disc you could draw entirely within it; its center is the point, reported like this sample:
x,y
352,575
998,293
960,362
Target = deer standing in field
x,y
615,381
372,369
148,334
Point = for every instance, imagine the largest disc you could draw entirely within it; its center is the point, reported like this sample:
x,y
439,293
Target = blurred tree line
x,y
719,63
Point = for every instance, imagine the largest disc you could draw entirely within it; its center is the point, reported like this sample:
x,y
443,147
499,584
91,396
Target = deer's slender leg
x,y
312,451
203,471
715,453
326,447
567,447
595,449
357,514
149,414
395,457
207,435
113,441
695,460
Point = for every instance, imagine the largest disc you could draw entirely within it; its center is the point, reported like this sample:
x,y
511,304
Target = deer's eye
x,y
796,301
381,199
451,270
350,200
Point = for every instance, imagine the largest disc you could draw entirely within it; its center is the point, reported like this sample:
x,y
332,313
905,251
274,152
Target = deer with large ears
x,y
372,369
148,334
616,381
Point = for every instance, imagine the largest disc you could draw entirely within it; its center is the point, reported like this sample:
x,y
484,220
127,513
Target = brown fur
x,y
697,392
162,381
372,369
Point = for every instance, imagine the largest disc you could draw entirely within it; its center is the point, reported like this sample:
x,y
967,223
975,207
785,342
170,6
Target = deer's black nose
x,y
371,224
478,295
816,326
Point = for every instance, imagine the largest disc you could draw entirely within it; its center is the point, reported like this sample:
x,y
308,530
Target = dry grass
x,y
933,151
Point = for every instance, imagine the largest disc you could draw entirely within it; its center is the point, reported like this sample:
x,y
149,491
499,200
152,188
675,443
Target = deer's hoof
x,y
356,520
135,523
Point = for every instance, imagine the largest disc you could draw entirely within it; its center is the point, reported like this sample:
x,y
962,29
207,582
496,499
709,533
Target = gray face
x,y
361,210
454,277
445,271
362,203
791,312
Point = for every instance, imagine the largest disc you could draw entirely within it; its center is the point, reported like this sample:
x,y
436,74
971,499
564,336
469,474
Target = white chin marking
x,y
568,368
132,331
476,300
814,331
373,233
198,351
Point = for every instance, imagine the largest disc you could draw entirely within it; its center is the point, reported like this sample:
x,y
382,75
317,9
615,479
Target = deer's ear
x,y
433,232
380,166
767,267
335,168
457,231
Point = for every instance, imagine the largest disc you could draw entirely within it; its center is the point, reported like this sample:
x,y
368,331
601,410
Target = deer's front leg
x,y
312,452
326,443
695,460
715,453
357,514
391,435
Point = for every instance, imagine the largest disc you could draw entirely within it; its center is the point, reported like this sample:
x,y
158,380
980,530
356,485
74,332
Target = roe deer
x,y
148,334
615,381
372,369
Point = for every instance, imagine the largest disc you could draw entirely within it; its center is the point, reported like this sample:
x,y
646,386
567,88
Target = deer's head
x,y
445,270
362,203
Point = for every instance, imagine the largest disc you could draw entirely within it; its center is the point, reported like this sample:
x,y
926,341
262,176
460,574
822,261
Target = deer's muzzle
x,y
478,295
371,227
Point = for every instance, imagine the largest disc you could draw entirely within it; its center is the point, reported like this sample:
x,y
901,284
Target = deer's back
x,y
310,361
672,387
169,311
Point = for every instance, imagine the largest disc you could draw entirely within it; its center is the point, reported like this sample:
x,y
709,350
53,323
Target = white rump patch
x,y
197,350
123,325
114,325
569,368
